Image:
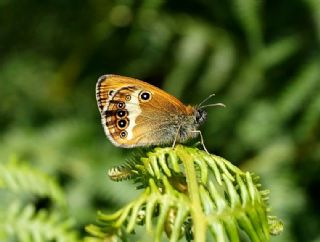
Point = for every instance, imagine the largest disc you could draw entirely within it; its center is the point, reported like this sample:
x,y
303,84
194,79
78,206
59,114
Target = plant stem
x,y
199,219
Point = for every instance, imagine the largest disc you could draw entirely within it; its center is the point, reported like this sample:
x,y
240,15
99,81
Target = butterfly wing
x,y
135,113
107,85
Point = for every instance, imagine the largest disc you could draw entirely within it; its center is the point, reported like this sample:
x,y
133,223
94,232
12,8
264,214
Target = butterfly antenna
x,y
206,99
213,105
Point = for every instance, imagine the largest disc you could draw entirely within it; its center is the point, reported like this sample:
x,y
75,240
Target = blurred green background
x,y
261,58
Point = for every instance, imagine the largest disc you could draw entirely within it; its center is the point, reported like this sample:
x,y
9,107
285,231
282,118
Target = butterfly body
x,y
135,113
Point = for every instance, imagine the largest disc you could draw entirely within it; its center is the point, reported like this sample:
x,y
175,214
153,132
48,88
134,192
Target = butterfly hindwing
x,y
119,115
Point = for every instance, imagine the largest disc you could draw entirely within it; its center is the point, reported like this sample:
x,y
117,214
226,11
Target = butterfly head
x,y
200,113
201,116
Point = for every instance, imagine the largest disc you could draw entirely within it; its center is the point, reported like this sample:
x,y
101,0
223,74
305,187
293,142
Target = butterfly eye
x,y
121,113
121,105
122,124
144,96
201,116
123,134
111,92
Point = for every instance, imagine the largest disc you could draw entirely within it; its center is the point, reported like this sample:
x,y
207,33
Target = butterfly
x,y
136,114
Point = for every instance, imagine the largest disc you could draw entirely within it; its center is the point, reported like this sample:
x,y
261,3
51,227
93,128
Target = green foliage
x,y
24,223
22,180
21,219
187,192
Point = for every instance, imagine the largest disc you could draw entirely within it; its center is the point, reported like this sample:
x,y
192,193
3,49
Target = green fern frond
x,y
123,172
187,193
24,223
21,179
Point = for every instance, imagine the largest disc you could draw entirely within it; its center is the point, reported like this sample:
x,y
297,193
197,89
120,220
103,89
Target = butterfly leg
x,y
201,138
176,137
